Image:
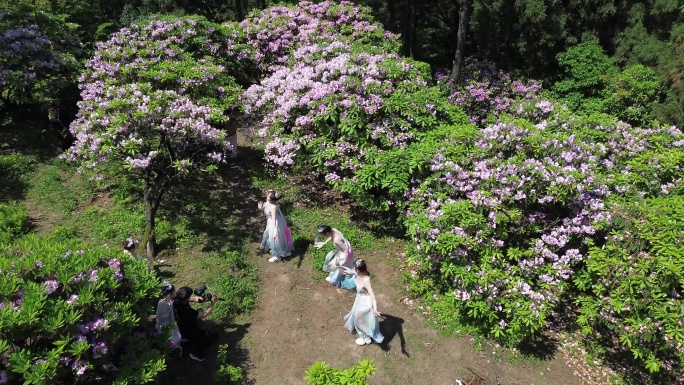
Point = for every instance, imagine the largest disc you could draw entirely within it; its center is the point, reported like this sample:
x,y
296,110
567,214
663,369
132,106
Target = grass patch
x,y
59,190
15,173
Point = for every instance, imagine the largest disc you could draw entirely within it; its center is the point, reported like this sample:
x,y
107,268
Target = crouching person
x,y
195,339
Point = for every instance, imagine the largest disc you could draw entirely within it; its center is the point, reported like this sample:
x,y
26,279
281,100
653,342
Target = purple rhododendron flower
x,y
50,286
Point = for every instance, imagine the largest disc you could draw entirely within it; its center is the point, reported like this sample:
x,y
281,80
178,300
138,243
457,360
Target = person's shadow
x,y
390,327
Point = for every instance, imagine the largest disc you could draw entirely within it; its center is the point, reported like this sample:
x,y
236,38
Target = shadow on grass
x,y
391,327
621,360
541,347
221,209
22,146
182,370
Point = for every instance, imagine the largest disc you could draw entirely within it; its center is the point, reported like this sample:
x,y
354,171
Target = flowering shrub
x,y
632,284
488,92
276,32
321,374
506,219
339,109
65,312
154,98
38,55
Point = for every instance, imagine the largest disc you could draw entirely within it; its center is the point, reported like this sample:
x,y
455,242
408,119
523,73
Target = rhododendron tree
x,y
154,99
276,32
38,56
339,110
67,311
338,99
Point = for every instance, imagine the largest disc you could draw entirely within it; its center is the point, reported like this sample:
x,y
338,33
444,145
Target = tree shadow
x,y
30,138
390,327
239,355
542,347
621,359
220,209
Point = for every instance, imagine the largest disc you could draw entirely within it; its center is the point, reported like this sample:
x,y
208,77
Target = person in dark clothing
x,y
196,340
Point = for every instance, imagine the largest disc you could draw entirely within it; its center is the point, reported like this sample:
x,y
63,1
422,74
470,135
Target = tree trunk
x,y
153,194
457,71
239,10
392,12
406,27
412,33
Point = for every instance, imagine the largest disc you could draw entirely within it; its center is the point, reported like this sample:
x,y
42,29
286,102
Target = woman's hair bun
x,y
277,195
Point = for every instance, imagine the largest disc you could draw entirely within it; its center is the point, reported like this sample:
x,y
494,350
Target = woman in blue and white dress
x,y
341,256
277,238
363,317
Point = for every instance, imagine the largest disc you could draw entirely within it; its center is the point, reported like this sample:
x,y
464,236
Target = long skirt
x,y
335,275
362,319
280,246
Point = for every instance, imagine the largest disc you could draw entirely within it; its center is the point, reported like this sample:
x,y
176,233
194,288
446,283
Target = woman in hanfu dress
x,y
363,317
341,256
277,238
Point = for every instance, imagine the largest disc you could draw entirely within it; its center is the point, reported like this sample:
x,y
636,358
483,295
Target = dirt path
x,y
299,321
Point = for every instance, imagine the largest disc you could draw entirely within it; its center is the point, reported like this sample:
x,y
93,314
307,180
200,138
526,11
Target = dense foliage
x,y
38,57
632,284
68,310
487,91
507,221
154,98
521,203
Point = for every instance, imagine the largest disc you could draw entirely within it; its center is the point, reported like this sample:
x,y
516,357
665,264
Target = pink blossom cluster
x,y
277,31
335,100
153,81
488,91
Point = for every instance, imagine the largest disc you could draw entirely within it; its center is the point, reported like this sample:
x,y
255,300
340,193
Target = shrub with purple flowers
x,y
155,97
38,56
487,91
59,325
507,218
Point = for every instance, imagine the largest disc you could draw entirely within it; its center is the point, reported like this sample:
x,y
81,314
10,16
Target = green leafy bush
x,y
631,288
67,310
634,93
588,73
13,221
38,56
237,286
507,216
322,374
227,374
14,171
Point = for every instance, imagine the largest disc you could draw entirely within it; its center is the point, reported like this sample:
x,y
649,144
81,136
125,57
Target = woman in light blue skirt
x,y
277,238
363,317
342,256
